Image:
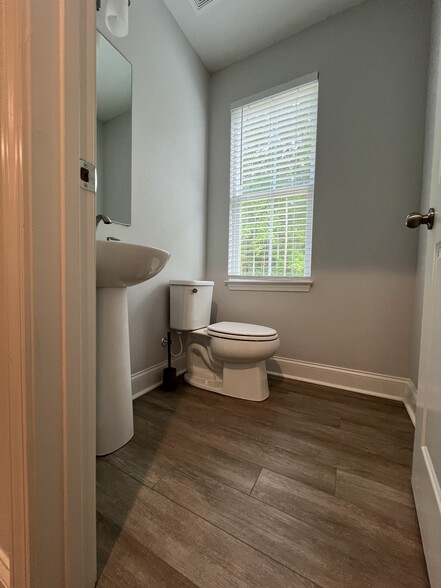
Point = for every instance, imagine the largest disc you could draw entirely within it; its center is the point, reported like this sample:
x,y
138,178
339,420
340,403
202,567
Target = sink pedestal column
x,y
114,390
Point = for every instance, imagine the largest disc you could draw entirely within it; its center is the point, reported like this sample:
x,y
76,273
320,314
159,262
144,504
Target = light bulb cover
x,y
117,17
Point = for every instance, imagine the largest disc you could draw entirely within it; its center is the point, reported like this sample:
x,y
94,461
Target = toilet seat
x,y
241,332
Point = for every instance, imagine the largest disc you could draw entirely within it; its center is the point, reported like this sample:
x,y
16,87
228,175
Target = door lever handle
x,y
415,219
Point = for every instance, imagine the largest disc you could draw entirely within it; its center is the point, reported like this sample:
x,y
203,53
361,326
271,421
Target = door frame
x,y
425,484
47,258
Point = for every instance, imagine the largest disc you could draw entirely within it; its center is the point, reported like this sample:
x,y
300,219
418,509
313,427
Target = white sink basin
x,y
119,265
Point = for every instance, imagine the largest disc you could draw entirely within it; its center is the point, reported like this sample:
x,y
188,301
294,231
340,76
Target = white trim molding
x,y
47,64
411,401
383,386
306,79
16,32
269,285
151,378
346,379
4,570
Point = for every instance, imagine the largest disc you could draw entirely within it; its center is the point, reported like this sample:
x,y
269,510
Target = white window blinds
x,y
273,145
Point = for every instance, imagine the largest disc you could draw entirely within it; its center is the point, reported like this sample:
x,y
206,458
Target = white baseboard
x,y
411,401
368,383
151,378
346,379
4,570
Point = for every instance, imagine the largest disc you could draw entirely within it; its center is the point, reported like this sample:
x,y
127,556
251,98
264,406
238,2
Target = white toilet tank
x,y
190,304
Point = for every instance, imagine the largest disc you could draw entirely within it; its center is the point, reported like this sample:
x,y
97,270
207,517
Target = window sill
x,y
296,285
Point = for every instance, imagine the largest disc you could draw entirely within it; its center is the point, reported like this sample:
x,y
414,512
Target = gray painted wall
x,y
372,61
169,167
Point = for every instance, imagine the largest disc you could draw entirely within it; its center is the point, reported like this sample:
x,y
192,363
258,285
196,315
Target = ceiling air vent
x,y
199,5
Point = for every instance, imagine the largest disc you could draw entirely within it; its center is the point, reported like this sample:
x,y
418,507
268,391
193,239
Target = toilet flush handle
x,y
194,291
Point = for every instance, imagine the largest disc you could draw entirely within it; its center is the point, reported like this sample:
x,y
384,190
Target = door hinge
x,y
87,176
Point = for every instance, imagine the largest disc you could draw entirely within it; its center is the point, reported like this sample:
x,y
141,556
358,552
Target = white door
x,y
426,475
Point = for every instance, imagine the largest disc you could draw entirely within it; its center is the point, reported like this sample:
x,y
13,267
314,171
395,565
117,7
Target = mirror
x,y
114,133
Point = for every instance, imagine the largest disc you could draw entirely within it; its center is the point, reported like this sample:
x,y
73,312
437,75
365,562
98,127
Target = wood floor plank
x,y
337,395
342,521
310,488
241,446
286,539
395,507
186,397
200,551
404,438
184,401
282,449
251,426
286,431
140,463
335,449
365,413
154,453
340,438
255,426
129,564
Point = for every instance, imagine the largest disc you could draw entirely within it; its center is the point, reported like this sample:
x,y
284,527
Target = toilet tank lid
x,y
190,283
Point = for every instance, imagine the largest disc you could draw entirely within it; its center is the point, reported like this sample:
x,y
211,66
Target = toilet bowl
x,y
225,357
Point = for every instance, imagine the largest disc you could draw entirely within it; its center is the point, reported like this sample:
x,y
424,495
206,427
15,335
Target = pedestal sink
x,y
118,266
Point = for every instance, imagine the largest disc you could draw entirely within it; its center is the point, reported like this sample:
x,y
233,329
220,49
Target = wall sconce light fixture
x,y
116,13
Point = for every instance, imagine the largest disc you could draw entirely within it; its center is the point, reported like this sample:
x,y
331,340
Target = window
x,y
273,145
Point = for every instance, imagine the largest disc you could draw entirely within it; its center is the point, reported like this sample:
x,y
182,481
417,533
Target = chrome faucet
x,y
102,217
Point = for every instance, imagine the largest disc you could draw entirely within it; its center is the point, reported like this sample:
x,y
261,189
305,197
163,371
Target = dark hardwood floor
x,y
310,488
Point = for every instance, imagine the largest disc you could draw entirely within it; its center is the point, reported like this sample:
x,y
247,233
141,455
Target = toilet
x,y
226,357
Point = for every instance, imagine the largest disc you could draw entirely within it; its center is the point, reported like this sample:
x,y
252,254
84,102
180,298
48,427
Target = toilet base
x,y
247,382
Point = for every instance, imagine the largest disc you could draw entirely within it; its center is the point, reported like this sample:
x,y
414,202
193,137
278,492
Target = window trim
x,y
307,79
269,284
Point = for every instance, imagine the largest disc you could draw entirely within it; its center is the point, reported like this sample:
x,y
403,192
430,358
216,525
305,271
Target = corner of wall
x,y
151,378
411,401
362,382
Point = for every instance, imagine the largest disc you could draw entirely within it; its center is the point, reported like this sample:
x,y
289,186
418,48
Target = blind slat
x,y
300,123
277,119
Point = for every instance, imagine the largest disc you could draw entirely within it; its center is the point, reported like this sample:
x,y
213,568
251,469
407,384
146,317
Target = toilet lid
x,y
242,331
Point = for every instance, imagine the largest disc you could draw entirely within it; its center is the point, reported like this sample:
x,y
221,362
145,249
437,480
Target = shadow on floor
x,y
112,509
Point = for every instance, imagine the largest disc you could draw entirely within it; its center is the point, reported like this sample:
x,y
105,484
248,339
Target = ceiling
x,y
225,31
